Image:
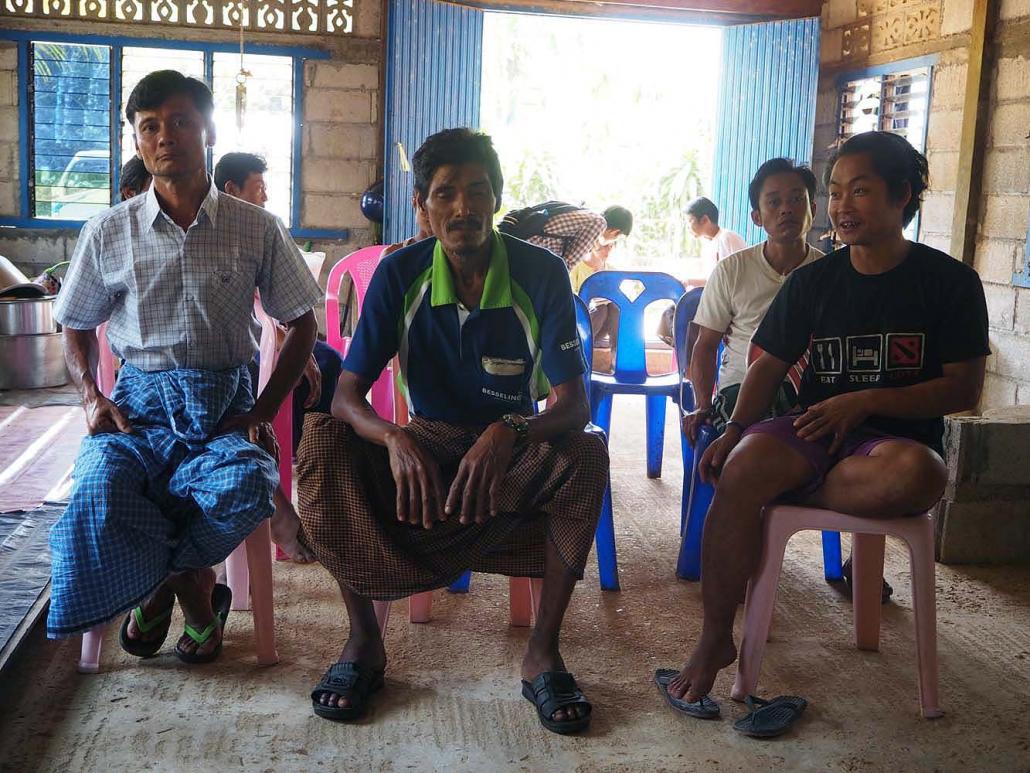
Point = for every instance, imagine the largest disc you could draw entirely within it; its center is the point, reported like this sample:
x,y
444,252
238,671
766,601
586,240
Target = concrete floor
x,y
452,700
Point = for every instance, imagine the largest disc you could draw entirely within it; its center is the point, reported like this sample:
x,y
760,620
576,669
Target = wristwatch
x,y
517,422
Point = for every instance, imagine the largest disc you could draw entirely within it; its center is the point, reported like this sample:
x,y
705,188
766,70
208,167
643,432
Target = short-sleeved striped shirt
x,y
184,299
469,366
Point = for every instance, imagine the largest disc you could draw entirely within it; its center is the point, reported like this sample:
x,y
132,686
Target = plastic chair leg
x,y
867,584
237,575
420,607
604,539
89,655
521,600
687,453
758,611
461,585
601,410
655,407
259,560
832,556
924,603
697,499
382,609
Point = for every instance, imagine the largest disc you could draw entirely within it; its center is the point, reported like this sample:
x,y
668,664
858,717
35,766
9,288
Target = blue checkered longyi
x,y
165,498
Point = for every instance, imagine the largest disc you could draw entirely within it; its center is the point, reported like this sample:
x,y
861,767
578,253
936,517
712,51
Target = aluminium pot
x,y
27,316
32,361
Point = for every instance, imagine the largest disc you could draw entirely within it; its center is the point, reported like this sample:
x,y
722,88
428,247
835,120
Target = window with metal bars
x,y
78,135
896,102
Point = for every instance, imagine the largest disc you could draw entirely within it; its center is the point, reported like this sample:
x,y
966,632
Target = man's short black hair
x,y
779,166
619,218
902,167
457,146
151,92
701,207
134,175
237,167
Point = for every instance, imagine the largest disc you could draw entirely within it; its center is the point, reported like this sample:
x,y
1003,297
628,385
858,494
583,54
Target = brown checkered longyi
x,y
347,508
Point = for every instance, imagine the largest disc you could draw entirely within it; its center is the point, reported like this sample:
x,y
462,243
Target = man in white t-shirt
x,y
742,286
716,242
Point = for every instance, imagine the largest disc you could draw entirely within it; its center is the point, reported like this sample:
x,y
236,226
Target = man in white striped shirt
x,y
170,478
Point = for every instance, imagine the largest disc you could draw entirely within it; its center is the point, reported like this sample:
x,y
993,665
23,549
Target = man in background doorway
x,y
716,242
134,179
570,232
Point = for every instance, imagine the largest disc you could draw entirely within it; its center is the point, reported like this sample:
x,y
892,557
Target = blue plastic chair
x,y
630,376
604,537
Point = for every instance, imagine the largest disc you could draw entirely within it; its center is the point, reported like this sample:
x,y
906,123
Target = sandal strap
x,y
346,680
146,626
553,690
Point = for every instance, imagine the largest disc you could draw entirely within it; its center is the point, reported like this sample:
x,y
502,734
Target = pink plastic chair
x,y
249,566
781,522
360,265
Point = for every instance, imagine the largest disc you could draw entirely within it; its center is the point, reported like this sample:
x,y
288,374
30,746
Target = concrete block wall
x,y
340,150
1005,205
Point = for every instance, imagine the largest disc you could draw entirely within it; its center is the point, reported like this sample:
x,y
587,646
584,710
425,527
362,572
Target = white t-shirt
x,y
734,301
722,245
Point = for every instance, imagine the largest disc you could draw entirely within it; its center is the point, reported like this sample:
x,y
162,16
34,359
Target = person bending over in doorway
x,y
483,323
898,335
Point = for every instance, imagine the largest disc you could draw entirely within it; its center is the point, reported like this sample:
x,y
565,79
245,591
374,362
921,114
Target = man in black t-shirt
x,y
898,338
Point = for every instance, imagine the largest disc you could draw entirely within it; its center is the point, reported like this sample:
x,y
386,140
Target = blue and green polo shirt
x,y
469,366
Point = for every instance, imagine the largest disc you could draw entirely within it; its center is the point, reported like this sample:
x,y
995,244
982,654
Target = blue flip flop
x,y
705,708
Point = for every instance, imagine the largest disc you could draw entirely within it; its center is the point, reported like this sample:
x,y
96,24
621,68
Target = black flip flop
x,y
705,708
769,719
221,603
349,680
553,690
886,591
144,648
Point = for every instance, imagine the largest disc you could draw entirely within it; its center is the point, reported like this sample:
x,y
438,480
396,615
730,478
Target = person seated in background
x,y
742,286
134,178
242,175
175,472
484,325
898,337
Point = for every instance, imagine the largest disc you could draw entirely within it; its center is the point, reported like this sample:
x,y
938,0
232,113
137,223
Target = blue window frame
x,y
76,81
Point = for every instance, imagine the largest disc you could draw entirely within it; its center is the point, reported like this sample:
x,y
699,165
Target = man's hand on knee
x,y
416,476
102,416
714,457
478,482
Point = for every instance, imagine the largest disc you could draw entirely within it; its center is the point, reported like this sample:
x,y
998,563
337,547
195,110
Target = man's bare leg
x,y
897,478
193,589
364,645
542,652
285,525
760,469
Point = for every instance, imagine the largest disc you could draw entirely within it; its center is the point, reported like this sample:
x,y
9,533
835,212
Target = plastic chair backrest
x,y
686,310
630,357
360,265
586,340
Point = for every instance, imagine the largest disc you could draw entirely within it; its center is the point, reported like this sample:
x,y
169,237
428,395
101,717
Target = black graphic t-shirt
x,y
878,331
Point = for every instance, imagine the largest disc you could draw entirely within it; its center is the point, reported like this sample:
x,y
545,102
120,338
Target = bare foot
x,y
367,651
541,657
696,678
285,526
193,589
153,607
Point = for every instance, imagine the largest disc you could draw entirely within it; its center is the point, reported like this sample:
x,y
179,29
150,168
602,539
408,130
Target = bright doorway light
x,y
600,112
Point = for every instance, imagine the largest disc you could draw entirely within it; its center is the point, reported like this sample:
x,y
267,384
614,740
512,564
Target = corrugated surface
x,y
766,109
435,63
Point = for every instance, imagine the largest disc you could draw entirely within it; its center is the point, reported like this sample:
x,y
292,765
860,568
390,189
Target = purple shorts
x,y
859,442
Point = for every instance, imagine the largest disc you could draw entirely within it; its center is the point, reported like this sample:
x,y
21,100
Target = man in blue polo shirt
x,y
484,326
